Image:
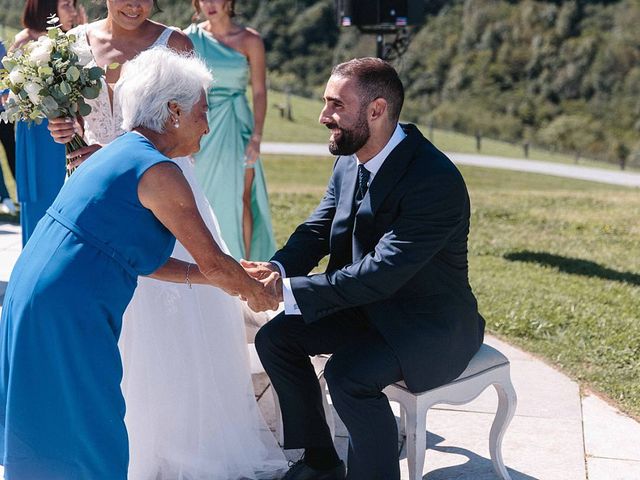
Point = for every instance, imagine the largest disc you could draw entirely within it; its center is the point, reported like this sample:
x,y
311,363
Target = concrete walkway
x,y
557,433
628,179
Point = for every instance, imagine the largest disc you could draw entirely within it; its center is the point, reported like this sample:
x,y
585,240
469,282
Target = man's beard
x,y
351,140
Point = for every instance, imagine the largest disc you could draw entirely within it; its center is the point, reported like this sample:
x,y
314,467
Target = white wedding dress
x,y
191,409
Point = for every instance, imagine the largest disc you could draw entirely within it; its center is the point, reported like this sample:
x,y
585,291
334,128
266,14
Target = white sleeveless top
x,y
104,123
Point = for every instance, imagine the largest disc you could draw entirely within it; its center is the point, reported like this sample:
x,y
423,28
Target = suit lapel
x,y
393,168
383,183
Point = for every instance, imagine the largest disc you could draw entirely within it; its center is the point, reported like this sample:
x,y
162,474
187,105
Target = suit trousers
x,y
361,366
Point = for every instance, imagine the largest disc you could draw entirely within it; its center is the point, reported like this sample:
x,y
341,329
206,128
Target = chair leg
x,y
416,442
507,401
278,416
403,422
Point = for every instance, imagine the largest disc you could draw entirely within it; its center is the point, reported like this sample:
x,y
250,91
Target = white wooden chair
x,y
487,367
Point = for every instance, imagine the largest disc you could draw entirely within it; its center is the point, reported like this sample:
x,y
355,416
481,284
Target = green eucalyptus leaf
x,y
90,92
73,74
49,103
84,109
65,88
95,73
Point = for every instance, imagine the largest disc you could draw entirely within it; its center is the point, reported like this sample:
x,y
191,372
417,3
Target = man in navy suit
x,y
395,302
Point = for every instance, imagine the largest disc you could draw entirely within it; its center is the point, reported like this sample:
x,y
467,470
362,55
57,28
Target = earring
x,y
176,124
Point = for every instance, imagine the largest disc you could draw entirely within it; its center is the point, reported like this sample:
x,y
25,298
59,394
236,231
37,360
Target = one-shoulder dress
x,y
220,161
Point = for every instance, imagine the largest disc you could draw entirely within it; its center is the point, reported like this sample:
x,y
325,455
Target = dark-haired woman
x,y
40,162
228,165
191,409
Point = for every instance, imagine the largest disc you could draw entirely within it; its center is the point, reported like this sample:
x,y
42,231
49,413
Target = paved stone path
x,y
628,179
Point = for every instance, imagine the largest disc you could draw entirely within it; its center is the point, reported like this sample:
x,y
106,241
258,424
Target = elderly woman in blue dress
x,y
116,218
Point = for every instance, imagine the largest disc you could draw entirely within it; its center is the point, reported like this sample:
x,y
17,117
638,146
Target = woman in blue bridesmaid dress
x,y
40,162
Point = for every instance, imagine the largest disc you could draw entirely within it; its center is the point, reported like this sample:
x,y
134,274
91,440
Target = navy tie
x,y
363,182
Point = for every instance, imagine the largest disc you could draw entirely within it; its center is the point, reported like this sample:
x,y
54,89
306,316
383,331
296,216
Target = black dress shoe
x,y
302,471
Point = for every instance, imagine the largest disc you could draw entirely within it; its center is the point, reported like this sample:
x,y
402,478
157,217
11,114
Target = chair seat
x,y
484,360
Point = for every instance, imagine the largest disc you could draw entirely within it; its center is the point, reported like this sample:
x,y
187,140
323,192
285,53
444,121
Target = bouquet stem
x,y
76,143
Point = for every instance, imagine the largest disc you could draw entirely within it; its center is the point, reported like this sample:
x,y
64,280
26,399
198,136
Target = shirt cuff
x,y
290,304
283,274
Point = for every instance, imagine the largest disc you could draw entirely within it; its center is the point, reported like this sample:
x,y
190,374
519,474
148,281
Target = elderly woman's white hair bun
x,y
154,78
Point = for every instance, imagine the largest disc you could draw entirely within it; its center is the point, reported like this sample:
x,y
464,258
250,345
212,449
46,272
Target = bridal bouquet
x,y
48,78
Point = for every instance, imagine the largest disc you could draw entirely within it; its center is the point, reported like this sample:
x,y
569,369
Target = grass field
x,y
305,128
553,263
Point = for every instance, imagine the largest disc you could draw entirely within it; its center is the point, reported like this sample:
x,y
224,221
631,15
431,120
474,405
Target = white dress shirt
x,y
372,165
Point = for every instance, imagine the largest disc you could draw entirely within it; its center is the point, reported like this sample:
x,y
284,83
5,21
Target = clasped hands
x,y
268,275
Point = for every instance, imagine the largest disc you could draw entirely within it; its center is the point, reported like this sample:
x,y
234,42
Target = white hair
x,y
154,78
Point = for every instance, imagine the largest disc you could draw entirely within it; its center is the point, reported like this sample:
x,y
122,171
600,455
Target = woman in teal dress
x,y
228,165
117,217
40,162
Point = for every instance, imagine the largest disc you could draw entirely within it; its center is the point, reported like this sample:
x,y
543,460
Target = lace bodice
x,y
104,123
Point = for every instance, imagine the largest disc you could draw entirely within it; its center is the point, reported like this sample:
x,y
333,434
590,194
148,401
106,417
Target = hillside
x,y
563,74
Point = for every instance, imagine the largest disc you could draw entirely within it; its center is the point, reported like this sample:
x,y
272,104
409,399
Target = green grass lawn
x,y
11,185
554,263
7,35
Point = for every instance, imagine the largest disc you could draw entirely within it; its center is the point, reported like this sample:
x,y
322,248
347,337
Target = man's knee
x,y
264,338
343,378
273,335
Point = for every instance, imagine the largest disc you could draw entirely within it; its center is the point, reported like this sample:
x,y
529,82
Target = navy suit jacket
x,y
401,258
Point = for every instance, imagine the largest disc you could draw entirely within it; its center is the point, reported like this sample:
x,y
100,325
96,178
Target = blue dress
x,y
40,172
61,410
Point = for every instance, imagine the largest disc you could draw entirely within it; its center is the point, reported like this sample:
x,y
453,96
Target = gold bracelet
x,y
186,279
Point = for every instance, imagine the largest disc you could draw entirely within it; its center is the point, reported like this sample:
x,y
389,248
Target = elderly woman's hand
x,y
267,296
78,156
63,129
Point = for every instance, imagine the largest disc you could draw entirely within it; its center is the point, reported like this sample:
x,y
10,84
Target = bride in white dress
x,y
191,409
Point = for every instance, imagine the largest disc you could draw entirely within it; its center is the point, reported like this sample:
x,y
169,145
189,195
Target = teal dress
x,y
61,408
220,162
40,172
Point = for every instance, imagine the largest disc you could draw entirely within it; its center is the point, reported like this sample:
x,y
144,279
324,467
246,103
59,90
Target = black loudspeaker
x,y
379,14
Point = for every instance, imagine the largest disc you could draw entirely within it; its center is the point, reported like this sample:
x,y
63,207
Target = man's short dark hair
x,y
376,79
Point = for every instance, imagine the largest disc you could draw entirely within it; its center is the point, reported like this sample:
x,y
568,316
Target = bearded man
x,y
394,303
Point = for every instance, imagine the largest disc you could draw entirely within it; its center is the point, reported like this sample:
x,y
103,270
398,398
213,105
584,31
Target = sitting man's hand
x,y
259,270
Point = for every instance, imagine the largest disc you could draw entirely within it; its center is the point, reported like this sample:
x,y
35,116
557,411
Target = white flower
x,y
33,90
41,52
83,53
16,76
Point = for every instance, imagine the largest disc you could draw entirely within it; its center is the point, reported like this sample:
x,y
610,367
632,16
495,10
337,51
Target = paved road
x,y
593,174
